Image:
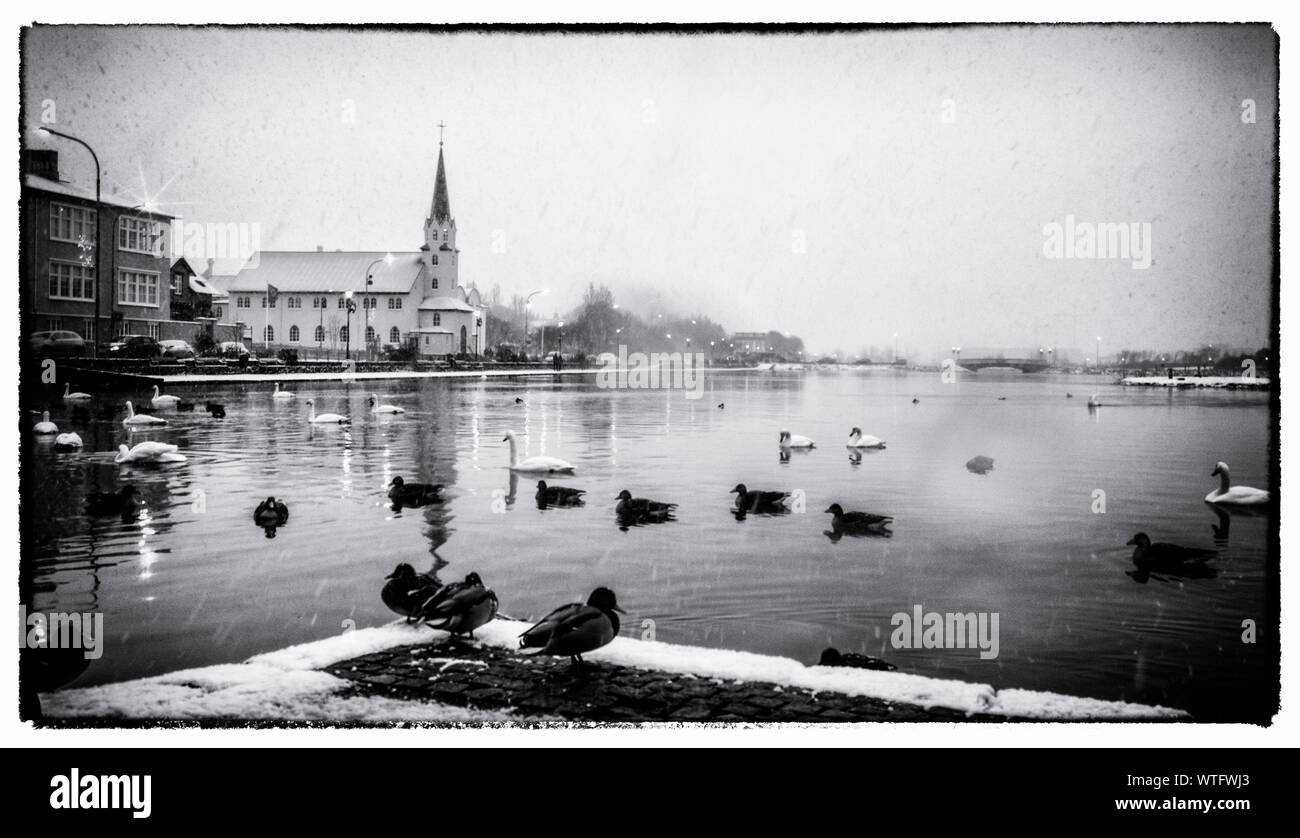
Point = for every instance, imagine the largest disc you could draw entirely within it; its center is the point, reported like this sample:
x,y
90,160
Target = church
x,y
330,302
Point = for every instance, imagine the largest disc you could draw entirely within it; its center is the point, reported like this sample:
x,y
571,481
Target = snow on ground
x,y
285,684
1195,381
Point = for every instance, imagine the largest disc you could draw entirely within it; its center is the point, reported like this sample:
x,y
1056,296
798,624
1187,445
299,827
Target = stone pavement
x,y
483,677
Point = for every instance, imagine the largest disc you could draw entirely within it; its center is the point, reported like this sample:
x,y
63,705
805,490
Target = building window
x,y
122,328
71,281
72,224
241,302
342,302
271,303
370,334
293,334
394,335
320,334
268,334
137,288
136,234
293,302
216,312
426,340
343,333
54,324
435,258
444,233
437,318
435,282
177,283
153,329
88,330
395,303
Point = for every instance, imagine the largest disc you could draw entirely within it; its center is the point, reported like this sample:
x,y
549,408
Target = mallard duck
x,y
149,452
858,521
325,418
1234,495
413,494
642,508
376,407
916,401
747,501
405,591
833,657
136,420
67,442
1166,557
535,465
45,426
858,440
722,405
461,607
575,629
271,513
789,440
121,502
217,411
558,495
980,464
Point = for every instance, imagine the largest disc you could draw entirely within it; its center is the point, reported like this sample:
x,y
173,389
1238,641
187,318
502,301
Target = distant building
x,y
299,299
749,343
62,231
192,297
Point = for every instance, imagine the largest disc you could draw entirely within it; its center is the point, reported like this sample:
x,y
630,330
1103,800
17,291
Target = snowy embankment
x,y
1235,382
286,684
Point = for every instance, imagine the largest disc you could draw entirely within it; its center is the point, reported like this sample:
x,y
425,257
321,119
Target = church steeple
x,y
440,235
441,210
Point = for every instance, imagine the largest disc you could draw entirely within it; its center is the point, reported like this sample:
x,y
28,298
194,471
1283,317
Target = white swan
x,y
132,420
325,418
376,407
69,396
1237,495
160,400
535,465
67,442
789,440
281,394
149,452
857,440
1093,401
45,426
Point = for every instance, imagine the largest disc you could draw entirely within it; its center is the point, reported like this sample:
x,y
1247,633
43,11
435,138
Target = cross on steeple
x,y
441,125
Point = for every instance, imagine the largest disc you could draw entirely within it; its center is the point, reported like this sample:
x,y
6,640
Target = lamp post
x,y
527,301
351,306
99,278
370,280
1098,351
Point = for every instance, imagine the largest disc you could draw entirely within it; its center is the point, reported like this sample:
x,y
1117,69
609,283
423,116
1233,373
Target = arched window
x,y
269,334
394,336
435,258
437,319
320,334
370,334
343,333
293,334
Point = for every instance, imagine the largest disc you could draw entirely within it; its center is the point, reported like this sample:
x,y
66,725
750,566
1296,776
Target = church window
x,y
437,319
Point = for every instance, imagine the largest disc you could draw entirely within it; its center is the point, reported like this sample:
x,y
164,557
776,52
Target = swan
x,y
136,420
376,407
789,440
857,440
69,396
1229,494
160,400
541,464
281,394
1093,401
67,442
325,418
149,452
45,426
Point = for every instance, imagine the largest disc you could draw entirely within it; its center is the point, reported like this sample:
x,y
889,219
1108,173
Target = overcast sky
x,y
841,187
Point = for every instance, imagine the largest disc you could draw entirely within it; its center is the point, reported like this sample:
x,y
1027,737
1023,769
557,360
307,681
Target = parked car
x,y
135,346
58,342
177,350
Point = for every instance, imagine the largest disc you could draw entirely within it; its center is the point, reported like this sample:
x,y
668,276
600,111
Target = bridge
x,y
1022,364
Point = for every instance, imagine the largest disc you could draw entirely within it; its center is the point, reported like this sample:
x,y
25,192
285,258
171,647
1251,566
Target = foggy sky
x,y
807,183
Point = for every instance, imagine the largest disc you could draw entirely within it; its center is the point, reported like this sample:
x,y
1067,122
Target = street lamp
x,y
561,325
99,277
1099,350
527,301
351,306
370,280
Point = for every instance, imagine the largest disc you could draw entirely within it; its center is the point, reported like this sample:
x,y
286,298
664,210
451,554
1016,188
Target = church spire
x,y
441,211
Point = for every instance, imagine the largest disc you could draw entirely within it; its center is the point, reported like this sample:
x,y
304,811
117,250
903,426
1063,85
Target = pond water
x,y
193,581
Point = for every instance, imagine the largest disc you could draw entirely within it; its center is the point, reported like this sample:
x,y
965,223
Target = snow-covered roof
x,y
327,272
199,285
445,304
59,187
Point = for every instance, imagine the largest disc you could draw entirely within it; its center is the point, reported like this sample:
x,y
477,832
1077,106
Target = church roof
x,y
445,304
441,210
307,272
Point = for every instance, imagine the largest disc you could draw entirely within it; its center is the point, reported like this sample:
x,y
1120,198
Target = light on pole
x,y
528,301
370,280
99,277
1099,350
351,306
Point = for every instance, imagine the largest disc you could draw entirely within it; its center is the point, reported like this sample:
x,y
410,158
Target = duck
x,y
1093,401
45,427
747,501
405,591
519,400
833,657
281,394
538,464
136,420
979,464
325,418
413,494
159,400
1234,495
1166,557
915,400
121,502
149,452
67,442
642,507
789,440
1069,395
217,411
722,405
575,629
858,521
857,440
69,396
558,495
376,407
461,607
271,513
